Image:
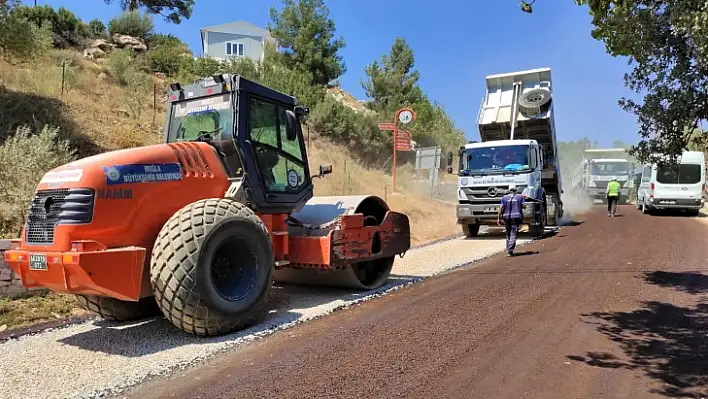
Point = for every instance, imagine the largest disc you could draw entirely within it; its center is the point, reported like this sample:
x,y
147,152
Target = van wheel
x,y
645,208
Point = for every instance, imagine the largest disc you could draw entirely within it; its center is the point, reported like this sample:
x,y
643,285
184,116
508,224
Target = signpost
x,y
401,138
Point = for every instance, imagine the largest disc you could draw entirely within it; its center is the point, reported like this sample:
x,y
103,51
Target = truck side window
x,y
646,174
279,160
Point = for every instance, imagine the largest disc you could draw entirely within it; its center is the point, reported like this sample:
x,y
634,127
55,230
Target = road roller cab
x,y
201,225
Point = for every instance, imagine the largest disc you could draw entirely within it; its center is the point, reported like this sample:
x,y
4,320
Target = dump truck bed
x,y
495,114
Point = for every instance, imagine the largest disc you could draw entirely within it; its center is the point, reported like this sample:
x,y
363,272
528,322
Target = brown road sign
x,y
386,126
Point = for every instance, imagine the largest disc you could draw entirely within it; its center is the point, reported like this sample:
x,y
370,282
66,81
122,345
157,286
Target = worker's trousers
x,y
612,201
512,230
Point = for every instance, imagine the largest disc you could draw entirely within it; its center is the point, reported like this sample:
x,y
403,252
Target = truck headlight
x,y
463,211
592,184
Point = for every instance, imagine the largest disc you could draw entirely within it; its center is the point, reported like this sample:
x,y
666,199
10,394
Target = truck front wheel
x,y
539,228
470,230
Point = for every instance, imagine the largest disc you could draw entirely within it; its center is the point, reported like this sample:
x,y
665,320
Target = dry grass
x,y
94,112
430,220
17,313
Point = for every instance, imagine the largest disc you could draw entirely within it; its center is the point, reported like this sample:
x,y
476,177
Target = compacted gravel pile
x,y
96,358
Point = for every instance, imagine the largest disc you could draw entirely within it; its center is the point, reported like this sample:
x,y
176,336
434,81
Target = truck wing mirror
x,y
291,125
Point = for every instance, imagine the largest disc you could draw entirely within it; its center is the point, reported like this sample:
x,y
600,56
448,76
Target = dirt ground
x,y
608,308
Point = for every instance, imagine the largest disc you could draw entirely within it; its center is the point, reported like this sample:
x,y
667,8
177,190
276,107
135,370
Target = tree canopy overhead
x,y
306,35
174,11
666,42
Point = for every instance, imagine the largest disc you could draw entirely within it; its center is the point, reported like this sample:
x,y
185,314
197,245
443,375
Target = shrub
x,y
37,154
166,60
358,132
19,37
132,23
159,40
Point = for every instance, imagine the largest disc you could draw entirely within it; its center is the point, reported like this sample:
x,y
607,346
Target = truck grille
x,y
59,206
480,194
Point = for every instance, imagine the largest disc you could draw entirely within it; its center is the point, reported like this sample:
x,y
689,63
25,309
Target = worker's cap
x,y
512,187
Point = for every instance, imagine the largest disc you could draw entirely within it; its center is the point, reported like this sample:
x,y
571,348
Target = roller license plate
x,y
37,262
491,209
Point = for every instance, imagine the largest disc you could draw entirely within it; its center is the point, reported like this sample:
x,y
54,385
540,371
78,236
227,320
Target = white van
x,y
670,187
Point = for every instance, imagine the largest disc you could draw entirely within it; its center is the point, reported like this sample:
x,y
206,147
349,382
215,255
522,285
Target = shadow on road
x,y
690,282
525,253
666,342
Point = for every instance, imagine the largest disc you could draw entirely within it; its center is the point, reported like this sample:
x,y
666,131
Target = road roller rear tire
x,y
117,310
212,267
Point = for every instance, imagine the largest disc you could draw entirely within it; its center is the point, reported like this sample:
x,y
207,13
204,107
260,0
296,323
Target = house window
x,y
234,49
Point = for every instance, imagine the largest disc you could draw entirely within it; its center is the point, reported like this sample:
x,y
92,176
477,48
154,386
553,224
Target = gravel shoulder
x,y
94,358
607,309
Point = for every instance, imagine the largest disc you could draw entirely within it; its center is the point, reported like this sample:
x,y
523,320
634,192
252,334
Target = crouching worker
x,y
510,211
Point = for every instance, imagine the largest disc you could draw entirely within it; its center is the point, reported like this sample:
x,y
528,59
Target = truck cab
x,y
485,172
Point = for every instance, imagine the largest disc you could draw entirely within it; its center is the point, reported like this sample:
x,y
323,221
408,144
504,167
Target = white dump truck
x,y
518,145
600,166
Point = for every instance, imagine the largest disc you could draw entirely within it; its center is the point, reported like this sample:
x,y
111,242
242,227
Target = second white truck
x,y
600,166
518,145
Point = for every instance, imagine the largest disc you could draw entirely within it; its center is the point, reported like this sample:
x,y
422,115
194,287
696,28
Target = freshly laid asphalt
x,y
607,308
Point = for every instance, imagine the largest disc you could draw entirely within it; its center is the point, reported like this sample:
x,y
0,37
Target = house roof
x,y
239,27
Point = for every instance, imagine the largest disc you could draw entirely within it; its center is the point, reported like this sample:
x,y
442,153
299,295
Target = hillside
x,y
96,115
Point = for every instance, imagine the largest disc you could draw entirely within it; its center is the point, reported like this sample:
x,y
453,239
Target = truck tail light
x,y
651,190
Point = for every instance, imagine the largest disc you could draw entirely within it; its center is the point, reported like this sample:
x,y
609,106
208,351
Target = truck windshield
x,y
684,174
497,159
609,168
202,118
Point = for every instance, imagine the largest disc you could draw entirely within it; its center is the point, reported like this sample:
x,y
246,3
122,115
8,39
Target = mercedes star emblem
x,y
492,191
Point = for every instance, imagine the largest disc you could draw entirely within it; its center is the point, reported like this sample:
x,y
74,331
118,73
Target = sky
x,y
456,44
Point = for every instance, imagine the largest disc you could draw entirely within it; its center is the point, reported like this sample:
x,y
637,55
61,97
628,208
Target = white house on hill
x,y
235,39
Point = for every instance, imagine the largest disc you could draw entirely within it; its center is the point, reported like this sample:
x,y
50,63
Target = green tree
x,y
173,11
667,46
97,29
306,36
67,27
393,83
132,23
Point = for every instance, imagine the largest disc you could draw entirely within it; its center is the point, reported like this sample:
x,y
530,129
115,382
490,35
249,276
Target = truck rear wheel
x,y
117,310
470,230
212,267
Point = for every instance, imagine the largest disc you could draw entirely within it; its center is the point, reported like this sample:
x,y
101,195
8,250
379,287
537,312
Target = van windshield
x,y
684,174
